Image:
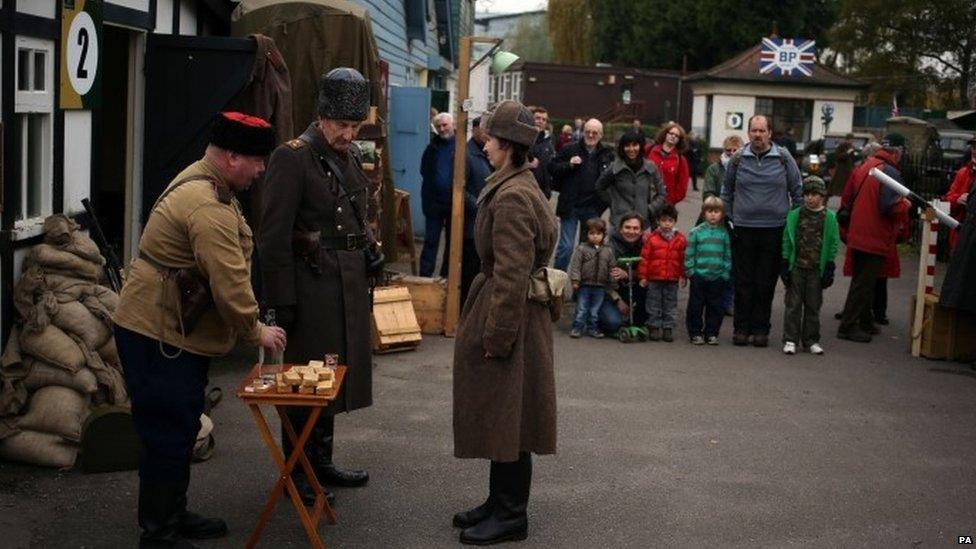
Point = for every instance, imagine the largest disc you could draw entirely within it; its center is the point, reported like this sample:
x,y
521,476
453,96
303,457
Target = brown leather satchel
x,y
195,297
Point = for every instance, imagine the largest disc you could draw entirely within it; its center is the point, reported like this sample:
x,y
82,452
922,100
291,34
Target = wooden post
x,y
920,286
457,196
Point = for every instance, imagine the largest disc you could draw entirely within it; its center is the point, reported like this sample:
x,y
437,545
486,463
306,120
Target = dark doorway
x,y
110,149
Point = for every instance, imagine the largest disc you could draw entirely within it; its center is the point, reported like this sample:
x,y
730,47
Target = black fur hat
x,y
343,95
243,134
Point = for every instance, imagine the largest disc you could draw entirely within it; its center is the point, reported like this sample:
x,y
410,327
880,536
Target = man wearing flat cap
x,y
195,244
317,254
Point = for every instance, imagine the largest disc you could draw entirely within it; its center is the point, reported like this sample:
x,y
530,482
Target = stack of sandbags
x,y
61,358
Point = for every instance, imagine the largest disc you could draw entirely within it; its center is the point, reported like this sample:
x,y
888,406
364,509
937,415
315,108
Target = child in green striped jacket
x,y
708,263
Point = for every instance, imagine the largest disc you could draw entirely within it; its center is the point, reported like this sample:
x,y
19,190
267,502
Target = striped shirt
x,y
709,252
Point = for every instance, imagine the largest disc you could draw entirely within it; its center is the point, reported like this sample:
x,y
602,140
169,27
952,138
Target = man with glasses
x,y
761,185
574,173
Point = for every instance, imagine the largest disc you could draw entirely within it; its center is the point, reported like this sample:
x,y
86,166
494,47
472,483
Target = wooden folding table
x,y
284,483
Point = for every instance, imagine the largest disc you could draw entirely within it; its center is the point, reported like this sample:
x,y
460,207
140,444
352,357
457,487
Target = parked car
x,y
921,136
955,144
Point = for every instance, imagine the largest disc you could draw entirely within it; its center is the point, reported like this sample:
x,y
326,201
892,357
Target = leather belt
x,y
349,242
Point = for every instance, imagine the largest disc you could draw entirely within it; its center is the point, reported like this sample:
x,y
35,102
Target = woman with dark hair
x,y
668,155
504,383
632,184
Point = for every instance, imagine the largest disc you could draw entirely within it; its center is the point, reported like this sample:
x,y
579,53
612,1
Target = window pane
x,y
19,146
35,164
39,72
23,70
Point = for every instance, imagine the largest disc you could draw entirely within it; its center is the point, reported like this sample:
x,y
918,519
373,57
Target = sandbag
x,y
53,346
108,298
55,259
75,319
56,410
62,231
44,375
37,448
110,354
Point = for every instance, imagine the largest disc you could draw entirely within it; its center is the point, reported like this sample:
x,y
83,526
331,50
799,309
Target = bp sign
x,y
733,120
81,32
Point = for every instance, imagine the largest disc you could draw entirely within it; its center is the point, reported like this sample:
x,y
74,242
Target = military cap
x,y
512,121
243,134
343,95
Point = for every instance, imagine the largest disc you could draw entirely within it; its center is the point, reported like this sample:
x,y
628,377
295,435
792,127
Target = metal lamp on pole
x,y
501,60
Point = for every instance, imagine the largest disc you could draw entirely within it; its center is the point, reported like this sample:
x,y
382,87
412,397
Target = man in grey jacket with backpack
x,y
761,185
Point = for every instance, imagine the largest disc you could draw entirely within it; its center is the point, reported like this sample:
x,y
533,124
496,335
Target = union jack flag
x,y
787,56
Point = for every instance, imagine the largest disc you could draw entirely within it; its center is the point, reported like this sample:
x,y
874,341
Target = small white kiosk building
x,y
779,78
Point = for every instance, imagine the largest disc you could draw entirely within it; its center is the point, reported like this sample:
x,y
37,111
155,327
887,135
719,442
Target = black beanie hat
x,y
243,134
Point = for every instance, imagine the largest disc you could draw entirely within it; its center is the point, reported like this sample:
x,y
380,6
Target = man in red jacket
x,y
958,193
871,234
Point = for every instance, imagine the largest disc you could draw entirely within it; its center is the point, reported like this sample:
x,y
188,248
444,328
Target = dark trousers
x,y
879,306
757,254
804,297
857,309
705,299
167,399
433,225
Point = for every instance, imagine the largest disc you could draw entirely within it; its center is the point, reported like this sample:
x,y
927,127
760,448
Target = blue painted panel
x,y
409,135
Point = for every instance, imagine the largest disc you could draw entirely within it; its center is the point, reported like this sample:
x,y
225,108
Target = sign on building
x,y
787,56
81,33
733,120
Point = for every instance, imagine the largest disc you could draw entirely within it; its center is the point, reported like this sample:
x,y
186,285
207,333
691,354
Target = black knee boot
x,y
305,490
508,520
324,437
467,519
160,509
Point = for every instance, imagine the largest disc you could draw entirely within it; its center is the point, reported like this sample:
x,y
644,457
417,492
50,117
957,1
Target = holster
x,y
195,296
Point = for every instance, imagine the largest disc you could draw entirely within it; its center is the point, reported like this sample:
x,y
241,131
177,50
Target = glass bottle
x,y
274,356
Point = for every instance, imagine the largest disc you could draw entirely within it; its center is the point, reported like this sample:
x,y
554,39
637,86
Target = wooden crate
x,y
947,334
395,325
429,297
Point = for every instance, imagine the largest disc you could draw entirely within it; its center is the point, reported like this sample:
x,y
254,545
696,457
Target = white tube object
x,y
907,193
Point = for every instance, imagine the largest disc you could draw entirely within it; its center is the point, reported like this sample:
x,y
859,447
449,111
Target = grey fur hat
x,y
343,95
511,120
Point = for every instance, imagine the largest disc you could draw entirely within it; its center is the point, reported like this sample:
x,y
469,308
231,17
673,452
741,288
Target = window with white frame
x,y
517,86
33,132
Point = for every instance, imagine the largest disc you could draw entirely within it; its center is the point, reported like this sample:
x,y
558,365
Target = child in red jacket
x,y
662,266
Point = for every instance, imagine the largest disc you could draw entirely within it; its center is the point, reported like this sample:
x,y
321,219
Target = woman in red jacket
x,y
668,155
962,185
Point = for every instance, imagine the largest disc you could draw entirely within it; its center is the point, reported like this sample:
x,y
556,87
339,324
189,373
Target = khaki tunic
x,y
197,225
330,300
506,404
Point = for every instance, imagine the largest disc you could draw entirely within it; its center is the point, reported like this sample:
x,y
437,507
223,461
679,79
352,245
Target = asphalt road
x,y
660,445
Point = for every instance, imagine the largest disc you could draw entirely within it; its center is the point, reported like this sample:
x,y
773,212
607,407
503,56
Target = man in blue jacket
x,y
762,184
437,170
477,169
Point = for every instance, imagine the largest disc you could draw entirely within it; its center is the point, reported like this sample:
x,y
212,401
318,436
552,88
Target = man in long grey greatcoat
x,y
314,242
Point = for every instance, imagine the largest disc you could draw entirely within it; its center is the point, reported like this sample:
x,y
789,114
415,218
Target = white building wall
x,y
722,107
699,111
843,118
40,8
164,16
77,159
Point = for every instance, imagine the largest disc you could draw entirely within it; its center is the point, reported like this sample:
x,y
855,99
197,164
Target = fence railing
x,y
929,178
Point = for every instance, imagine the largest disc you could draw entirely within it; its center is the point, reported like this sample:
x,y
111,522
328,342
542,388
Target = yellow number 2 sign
x,y
81,31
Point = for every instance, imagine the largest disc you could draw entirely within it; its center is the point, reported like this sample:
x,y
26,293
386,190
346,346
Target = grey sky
x,y
509,6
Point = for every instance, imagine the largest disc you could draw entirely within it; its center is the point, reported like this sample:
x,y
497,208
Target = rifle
x,y
113,267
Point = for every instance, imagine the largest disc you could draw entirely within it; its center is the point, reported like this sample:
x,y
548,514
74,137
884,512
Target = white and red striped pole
x,y
933,229
926,271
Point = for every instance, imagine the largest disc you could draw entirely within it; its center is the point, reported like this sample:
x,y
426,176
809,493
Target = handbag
x,y
549,287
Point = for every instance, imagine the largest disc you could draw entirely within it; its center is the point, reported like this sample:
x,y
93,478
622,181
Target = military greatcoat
x,y
505,403
325,292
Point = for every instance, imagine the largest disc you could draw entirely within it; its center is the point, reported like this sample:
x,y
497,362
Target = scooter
x,y
631,333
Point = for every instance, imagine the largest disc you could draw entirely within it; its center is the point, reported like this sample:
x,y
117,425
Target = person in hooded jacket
x,y
633,183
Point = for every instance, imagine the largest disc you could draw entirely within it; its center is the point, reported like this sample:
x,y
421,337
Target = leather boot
x,y
469,518
508,520
305,491
325,469
159,515
194,526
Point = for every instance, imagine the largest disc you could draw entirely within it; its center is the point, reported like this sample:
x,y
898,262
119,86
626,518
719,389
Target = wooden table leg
x,y
285,468
321,504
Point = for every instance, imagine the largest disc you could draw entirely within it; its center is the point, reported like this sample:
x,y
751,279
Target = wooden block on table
x,y
323,387
305,390
292,377
316,364
326,374
309,380
283,388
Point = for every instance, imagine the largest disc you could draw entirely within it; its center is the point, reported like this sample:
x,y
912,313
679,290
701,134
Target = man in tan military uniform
x,y
194,232
316,253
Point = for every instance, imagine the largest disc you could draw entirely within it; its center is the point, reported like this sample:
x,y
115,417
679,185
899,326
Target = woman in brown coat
x,y
504,385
